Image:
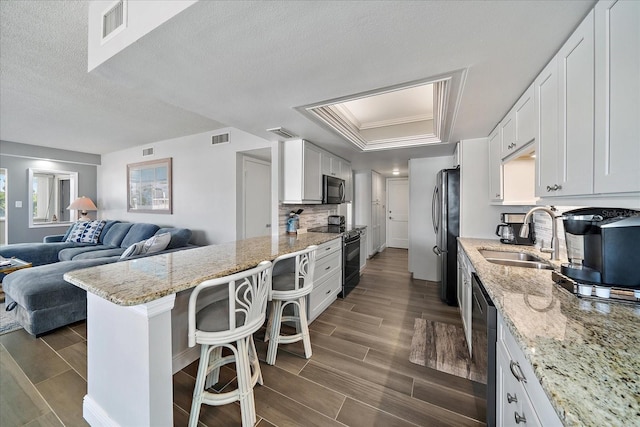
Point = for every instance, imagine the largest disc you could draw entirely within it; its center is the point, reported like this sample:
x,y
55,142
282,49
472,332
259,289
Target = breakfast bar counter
x,y
137,323
585,352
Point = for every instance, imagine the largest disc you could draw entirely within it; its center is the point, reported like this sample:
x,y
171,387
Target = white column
x,y
129,363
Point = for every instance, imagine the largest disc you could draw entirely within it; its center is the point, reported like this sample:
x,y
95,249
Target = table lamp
x,y
83,204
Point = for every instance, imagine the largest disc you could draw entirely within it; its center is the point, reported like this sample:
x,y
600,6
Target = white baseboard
x,y
95,415
185,358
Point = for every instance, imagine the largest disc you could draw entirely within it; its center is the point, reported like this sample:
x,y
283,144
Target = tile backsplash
x,y
312,216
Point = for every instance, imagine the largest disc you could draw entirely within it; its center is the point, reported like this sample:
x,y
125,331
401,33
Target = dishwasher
x,y
484,320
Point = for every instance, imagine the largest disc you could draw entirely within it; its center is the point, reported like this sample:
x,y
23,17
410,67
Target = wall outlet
x,y
18,203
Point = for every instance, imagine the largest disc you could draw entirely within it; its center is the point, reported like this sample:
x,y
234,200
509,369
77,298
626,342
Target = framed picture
x,y
149,186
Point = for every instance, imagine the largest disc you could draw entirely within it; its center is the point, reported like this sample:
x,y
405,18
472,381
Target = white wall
x,y
142,18
477,217
423,263
204,183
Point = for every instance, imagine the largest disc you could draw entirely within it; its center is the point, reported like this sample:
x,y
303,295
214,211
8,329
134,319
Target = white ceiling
x,y
250,64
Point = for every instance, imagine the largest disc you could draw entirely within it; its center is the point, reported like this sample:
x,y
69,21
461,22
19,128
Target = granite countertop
x,y
584,352
150,278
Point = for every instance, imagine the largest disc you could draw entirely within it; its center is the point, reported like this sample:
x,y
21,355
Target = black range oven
x,y
350,255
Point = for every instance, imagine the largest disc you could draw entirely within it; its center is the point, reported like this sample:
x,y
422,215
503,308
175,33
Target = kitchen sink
x,y
515,259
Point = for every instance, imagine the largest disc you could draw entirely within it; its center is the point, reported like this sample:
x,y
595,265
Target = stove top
x,y
328,229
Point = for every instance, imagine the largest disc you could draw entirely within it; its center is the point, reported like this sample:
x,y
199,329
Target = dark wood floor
x,y
359,374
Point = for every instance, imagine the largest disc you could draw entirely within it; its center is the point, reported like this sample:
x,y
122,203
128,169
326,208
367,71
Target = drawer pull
x,y
328,249
511,399
328,292
555,187
328,268
519,418
519,375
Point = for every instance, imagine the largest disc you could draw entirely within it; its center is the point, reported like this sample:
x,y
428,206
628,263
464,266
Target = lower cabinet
x,y
520,399
327,279
464,293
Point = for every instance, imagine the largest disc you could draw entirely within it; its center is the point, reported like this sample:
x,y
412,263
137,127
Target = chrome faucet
x,y
554,250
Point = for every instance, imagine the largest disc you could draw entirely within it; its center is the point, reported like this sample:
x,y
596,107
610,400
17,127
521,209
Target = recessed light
x,y
396,172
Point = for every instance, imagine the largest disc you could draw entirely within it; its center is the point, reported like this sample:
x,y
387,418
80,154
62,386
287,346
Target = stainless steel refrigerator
x,y
445,213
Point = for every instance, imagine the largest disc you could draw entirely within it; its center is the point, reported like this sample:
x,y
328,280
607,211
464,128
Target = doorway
x,y
398,213
255,212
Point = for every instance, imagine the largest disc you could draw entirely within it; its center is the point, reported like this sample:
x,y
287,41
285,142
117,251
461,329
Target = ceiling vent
x,y
220,139
147,152
114,19
286,134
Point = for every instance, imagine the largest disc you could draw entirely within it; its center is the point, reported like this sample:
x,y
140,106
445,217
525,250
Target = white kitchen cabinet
x,y
495,166
363,249
617,94
464,291
302,173
377,233
327,278
335,166
518,127
564,101
520,399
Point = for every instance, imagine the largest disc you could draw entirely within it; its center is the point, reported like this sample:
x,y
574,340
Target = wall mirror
x,y
50,192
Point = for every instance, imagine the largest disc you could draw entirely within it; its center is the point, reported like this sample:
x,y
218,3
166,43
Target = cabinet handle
x,y
519,375
555,187
497,194
519,418
328,292
328,268
511,399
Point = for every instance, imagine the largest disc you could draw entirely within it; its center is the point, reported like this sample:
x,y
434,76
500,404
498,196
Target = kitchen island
x,y
584,352
137,323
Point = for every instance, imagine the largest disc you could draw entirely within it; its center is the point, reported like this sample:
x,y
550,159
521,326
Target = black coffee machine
x,y
603,246
509,230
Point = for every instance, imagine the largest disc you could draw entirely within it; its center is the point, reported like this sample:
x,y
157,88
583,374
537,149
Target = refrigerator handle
x,y
437,251
435,214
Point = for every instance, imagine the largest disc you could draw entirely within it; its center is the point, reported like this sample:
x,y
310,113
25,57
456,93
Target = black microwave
x,y
332,190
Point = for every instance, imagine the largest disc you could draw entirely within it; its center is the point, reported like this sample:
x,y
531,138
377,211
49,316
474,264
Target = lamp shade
x,y
82,204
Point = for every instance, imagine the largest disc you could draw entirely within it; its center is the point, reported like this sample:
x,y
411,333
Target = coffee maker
x,y
509,230
603,246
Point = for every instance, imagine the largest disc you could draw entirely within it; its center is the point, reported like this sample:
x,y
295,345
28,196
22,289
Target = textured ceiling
x,y
249,64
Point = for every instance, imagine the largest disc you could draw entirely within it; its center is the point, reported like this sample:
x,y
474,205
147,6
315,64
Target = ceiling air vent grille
x,y
113,19
287,134
220,139
147,152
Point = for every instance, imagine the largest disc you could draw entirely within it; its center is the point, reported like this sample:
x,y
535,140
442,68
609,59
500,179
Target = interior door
x,y
398,213
257,198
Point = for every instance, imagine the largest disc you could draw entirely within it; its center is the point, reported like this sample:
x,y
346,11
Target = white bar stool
x,y
228,317
291,288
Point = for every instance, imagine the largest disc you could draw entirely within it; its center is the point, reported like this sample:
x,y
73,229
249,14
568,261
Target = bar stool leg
x,y
304,326
274,336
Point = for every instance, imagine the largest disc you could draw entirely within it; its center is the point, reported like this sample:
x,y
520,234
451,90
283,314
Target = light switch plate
x,y
18,203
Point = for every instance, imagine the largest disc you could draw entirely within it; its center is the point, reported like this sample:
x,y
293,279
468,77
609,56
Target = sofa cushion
x,y
110,223
86,231
37,253
179,236
44,287
137,233
156,243
105,252
116,234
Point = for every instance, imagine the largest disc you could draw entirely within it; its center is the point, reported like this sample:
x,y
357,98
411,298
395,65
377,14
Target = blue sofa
x,y
41,298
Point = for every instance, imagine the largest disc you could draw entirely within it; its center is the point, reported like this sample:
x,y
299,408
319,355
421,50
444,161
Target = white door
x,y
257,198
398,213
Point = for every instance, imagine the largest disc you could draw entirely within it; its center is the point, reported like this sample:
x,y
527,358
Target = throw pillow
x,y
157,243
132,250
86,231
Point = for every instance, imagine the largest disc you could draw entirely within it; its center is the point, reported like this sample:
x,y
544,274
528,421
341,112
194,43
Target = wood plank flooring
x,y
359,374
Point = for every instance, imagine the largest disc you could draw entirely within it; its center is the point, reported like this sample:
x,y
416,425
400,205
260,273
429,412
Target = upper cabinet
x,y
617,92
518,127
495,166
302,173
304,165
564,104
